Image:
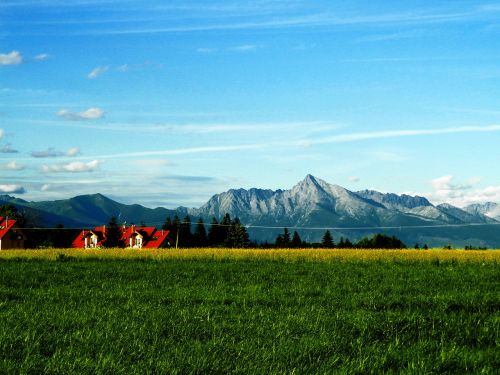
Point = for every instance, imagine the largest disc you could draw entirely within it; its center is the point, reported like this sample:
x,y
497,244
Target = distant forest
x,y
229,232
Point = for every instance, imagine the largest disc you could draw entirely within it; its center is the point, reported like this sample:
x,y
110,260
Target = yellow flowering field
x,y
264,254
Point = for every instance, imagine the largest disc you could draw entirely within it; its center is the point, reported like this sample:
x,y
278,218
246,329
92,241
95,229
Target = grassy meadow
x,y
249,311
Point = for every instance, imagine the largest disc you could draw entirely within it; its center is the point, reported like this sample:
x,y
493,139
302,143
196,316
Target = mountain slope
x,y
90,210
489,209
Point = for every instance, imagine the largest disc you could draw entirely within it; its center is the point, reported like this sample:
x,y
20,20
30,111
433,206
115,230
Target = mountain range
x,y
310,206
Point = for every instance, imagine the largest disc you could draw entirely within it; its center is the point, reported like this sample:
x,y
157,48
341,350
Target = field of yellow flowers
x,y
291,255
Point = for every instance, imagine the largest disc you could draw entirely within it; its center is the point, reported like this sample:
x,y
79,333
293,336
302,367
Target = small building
x,y
11,237
131,237
90,238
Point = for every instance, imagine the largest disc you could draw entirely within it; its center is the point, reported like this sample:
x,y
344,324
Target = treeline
x,y
231,233
228,233
377,241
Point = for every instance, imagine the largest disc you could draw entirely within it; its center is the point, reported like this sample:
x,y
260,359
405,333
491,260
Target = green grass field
x,y
220,314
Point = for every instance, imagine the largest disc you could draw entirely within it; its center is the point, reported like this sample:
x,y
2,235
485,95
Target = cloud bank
x,y
52,153
12,189
74,167
92,113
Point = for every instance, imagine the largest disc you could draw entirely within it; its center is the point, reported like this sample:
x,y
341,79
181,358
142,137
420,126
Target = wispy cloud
x,y
325,18
12,166
392,36
74,167
98,71
12,189
206,50
41,57
52,153
93,113
362,136
11,58
7,149
244,48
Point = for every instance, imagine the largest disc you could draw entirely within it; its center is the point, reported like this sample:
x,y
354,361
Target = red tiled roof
x,y
79,241
152,237
5,226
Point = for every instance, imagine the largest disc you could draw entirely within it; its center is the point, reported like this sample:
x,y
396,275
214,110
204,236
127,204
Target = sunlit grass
x,y
264,254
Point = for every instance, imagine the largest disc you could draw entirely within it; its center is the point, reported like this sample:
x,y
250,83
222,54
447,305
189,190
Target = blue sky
x,y
166,103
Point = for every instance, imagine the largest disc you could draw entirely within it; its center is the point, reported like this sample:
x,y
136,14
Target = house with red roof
x,y
131,237
11,237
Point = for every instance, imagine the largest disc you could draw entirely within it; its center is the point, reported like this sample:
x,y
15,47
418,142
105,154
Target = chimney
x,y
6,222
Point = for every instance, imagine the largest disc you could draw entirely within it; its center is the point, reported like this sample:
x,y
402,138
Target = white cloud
x,y
11,58
461,194
12,189
74,167
93,113
96,72
73,152
52,153
1,133
41,57
45,187
13,166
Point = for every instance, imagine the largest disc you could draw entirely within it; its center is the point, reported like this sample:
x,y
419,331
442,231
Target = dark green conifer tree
x,y
296,241
237,235
185,236
225,224
214,233
200,234
327,240
113,234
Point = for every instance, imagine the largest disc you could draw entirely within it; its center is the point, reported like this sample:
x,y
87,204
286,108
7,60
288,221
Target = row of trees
x,y
228,233
231,233
377,241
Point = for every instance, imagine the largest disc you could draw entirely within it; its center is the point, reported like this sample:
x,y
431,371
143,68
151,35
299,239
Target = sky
x,y
165,103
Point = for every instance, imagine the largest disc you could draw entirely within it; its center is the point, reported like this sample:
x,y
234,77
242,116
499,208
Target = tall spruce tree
x,y
214,234
237,235
200,234
296,240
185,236
224,228
327,240
113,234
283,240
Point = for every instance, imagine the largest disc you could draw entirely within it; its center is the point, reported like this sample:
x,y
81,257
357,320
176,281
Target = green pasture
x,y
116,316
